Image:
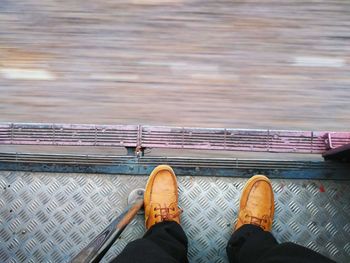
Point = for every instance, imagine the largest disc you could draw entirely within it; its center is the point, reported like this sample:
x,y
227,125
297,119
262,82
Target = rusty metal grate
x,y
68,134
170,137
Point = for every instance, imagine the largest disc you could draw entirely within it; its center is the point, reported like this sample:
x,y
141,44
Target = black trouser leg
x,y
163,242
251,244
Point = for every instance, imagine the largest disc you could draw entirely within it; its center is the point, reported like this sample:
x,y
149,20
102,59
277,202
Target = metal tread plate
x,y
49,217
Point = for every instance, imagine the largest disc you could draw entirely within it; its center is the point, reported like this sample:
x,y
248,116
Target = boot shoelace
x,y
165,214
262,222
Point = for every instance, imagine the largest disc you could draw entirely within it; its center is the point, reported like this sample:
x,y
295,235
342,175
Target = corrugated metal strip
x,y
131,165
170,137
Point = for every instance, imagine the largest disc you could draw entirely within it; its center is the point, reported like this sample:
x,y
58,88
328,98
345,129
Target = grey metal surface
x,y
48,217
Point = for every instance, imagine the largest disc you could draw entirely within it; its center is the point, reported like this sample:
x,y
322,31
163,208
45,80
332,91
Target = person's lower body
x,y
251,242
163,242
167,242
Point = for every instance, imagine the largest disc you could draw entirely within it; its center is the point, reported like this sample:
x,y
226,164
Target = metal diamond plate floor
x,y
48,217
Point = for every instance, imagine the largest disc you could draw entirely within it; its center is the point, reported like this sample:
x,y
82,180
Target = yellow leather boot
x,y
161,197
257,203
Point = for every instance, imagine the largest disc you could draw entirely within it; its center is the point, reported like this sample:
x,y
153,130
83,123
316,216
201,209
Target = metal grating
x,y
167,137
49,217
240,140
68,134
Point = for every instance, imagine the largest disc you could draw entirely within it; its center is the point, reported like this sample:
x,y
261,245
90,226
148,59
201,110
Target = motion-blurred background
x,y
239,64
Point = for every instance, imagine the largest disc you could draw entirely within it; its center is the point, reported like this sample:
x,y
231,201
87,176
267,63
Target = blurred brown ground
x,y
244,64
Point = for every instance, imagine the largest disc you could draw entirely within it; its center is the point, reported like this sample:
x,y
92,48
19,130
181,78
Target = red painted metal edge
x,y
278,141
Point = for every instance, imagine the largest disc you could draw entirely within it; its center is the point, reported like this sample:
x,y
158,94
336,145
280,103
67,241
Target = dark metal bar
x,y
130,165
339,154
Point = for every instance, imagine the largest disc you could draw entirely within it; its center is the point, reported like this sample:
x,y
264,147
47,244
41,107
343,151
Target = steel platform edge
x,y
133,165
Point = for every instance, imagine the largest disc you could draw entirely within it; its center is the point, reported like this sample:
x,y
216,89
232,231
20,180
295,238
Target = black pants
x,y
167,242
